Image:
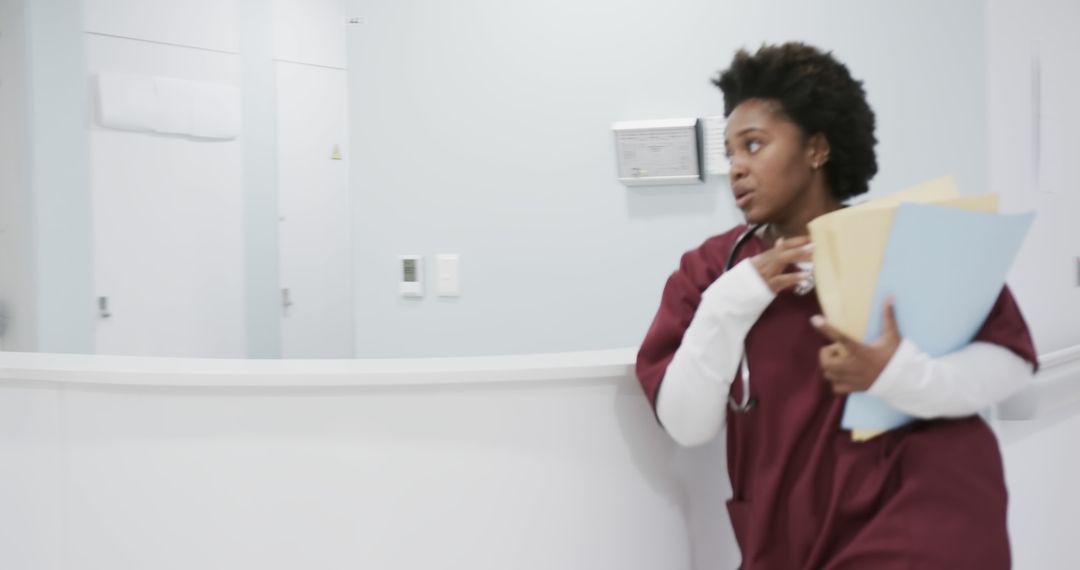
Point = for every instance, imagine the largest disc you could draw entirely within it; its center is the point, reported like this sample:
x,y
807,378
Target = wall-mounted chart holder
x,y
658,152
714,151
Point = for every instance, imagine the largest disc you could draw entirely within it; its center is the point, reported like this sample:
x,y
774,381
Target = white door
x,y
315,220
168,219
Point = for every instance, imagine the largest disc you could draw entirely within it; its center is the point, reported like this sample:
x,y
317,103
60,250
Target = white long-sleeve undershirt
x,y
692,401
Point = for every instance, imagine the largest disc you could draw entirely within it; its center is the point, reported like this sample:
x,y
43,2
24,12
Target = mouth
x,y
743,198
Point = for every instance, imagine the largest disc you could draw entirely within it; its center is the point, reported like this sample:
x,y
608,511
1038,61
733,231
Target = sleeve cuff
x,y
891,379
741,290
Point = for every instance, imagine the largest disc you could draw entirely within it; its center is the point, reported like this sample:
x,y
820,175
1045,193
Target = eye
x,y
753,145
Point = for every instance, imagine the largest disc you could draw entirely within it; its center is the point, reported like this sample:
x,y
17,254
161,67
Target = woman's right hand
x,y
772,263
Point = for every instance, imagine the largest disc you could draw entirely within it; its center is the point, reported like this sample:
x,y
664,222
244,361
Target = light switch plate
x,y
448,275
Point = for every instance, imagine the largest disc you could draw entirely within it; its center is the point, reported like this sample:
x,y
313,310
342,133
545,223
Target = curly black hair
x,y
819,95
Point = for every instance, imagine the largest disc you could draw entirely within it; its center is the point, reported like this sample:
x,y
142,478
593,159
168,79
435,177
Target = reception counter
x,y
531,461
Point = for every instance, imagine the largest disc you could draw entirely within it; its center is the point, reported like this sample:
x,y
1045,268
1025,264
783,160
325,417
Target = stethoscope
x,y
802,288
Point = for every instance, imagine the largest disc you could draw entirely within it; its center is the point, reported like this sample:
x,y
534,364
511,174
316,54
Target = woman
x,y
930,495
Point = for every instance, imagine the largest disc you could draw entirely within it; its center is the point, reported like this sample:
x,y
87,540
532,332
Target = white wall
x,y
58,174
16,215
262,294
483,128
1039,176
310,32
205,24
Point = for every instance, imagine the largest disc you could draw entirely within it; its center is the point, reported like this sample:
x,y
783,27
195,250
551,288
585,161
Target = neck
x,y
817,203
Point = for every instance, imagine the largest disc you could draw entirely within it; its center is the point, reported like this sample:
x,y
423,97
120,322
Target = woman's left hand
x,y
852,366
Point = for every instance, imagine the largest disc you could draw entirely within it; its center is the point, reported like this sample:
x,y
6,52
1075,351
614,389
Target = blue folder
x,y
945,268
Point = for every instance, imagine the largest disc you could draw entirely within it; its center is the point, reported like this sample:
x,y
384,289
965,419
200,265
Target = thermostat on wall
x,y
660,152
411,275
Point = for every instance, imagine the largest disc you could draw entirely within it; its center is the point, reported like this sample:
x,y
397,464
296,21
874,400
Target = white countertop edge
x,y
1059,358
207,372
210,372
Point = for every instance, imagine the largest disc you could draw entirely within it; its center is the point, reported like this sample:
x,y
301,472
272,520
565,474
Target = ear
x,y
817,150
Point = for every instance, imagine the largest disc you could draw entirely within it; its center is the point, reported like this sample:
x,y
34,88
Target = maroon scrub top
x,y
930,495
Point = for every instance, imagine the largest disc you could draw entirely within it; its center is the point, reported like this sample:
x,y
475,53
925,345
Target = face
x,y
772,162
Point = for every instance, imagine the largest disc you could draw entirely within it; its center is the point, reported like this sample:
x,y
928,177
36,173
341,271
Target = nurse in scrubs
x,y
928,496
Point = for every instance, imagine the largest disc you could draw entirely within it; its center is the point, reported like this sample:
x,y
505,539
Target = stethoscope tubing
x,y
747,402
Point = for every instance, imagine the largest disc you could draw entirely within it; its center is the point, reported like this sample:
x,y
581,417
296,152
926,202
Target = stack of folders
x,y
941,256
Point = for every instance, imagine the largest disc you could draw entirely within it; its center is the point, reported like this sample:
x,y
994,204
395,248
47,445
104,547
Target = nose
x,y
739,168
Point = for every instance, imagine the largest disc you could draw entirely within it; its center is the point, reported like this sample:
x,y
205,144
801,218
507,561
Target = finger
x,y
891,329
792,242
831,362
840,356
836,360
787,280
826,359
795,255
832,333
842,388
830,355
838,384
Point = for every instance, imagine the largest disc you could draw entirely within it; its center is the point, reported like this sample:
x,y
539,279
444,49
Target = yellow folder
x,y
849,245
